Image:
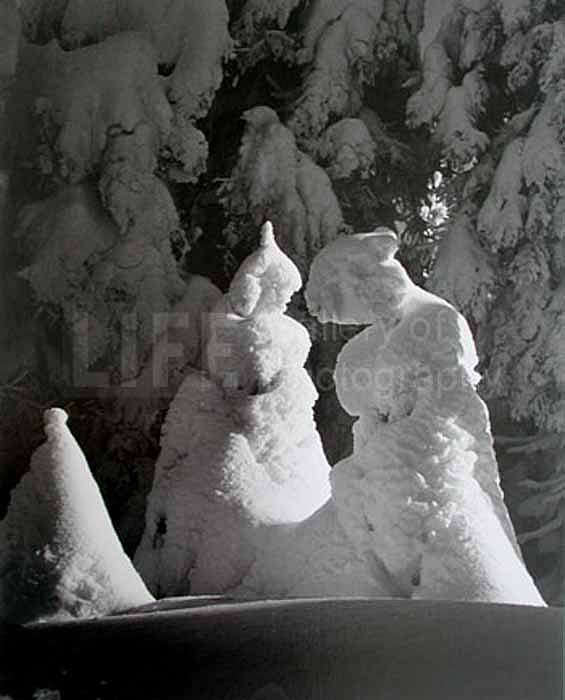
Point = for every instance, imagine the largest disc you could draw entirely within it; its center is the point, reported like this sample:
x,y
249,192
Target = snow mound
x,y
314,558
239,450
59,554
420,493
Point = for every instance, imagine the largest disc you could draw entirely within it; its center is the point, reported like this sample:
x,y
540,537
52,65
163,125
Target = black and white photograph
x,y
282,349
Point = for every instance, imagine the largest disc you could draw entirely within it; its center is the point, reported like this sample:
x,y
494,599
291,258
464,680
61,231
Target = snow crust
x,y
239,450
59,554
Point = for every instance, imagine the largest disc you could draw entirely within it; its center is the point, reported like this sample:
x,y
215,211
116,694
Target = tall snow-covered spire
x,y
59,554
267,234
421,489
240,452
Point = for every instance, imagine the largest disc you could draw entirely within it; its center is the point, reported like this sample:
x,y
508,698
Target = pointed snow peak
x,y
267,235
55,417
265,280
54,422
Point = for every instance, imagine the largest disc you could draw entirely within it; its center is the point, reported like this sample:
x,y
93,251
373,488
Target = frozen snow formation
x,y
59,554
421,489
239,449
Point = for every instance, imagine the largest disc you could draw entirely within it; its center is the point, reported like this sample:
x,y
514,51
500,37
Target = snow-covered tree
x,y
239,449
99,139
416,511
421,489
59,553
170,131
501,261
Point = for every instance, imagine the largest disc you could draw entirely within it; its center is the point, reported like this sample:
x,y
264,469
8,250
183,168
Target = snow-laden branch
x,y
274,179
190,35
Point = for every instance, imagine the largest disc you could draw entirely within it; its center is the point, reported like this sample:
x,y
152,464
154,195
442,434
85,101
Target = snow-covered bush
x,y
416,511
59,554
239,449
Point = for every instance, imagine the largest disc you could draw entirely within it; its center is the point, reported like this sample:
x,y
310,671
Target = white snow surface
x,y
239,450
59,554
420,493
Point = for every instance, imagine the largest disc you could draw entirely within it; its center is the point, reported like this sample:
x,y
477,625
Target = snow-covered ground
x,y
295,649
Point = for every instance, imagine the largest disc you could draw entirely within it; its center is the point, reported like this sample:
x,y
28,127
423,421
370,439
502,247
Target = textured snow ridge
x,y
59,554
274,179
239,449
420,493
